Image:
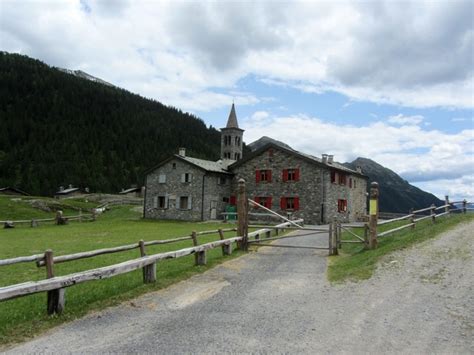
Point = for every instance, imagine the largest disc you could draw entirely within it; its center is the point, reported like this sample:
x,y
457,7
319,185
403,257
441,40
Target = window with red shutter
x,y
296,203
350,182
333,176
257,176
283,203
233,200
269,202
269,175
258,200
285,175
297,174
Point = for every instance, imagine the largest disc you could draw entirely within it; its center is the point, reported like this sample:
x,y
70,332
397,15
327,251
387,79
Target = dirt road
x,y
420,300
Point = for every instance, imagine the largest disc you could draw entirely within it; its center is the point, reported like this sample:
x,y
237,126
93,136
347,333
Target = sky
x,y
387,80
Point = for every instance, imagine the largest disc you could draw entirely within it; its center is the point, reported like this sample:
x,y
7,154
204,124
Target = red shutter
x,y
257,199
297,203
269,175
285,174
233,200
269,202
283,203
257,176
333,176
297,174
350,182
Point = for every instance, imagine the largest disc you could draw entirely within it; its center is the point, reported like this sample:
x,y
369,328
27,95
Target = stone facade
x,y
179,190
317,195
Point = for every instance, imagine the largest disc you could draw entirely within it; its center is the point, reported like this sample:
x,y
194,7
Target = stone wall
x,y
173,188
318,197
307,189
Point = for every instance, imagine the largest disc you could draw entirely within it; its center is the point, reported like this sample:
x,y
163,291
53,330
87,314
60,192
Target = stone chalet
x,y
287,181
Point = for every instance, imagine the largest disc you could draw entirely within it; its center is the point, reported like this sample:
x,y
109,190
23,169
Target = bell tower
x,y
231,138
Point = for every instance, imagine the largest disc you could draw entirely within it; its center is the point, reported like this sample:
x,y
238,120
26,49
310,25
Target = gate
x,y
268,233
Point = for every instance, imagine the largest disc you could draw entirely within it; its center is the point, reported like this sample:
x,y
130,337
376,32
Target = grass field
x,y
26,316
356,263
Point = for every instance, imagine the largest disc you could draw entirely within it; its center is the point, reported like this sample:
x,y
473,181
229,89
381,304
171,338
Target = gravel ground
x,y
277,300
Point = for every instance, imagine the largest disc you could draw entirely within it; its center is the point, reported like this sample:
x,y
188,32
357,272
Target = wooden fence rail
x,y
39,258
60,282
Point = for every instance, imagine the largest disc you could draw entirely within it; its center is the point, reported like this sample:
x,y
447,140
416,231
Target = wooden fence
x,y
55,285
34,222
410,220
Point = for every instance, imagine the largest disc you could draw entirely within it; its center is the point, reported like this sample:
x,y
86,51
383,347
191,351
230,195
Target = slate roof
x,y
67,191
13,189
132,189
307,157
208,165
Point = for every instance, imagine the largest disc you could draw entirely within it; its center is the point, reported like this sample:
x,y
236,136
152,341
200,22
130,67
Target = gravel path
x,y
277,300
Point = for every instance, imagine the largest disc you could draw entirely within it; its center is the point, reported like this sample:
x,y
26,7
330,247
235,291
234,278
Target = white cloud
x,y
406,120
416,54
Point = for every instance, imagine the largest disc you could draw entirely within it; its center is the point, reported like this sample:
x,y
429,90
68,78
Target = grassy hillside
x,y
26,316
58,129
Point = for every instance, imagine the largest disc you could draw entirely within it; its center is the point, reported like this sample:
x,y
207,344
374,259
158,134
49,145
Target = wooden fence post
x,y
373,214
55,298
34,223
80,215
446,199
149,271
331,231
464,206
268,234
226,249
200,256
335,231
412,218
242,204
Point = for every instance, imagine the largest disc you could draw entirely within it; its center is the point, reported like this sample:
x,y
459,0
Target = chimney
x,y
182,152
70,186
359,169
61,188
325,158
86,190
330,158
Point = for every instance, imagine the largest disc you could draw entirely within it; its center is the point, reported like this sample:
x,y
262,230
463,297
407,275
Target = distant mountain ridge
x,y
84,75
396,194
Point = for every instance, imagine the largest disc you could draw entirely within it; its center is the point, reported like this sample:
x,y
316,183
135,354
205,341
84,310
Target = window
x,y
290,203
350,182
236,156
233,200
342,179
186,177
341,205
174,165
227,140
263,176
355,183
227,155
160,202
222,180
265,201
333,177
184,203
291,175
162,179
225,199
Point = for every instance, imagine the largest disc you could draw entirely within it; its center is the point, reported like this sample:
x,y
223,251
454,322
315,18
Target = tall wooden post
x,y
433,213
226,249
373,214
446,199
242,206
333,236
412,218
149,271
331,231
55,298
464,206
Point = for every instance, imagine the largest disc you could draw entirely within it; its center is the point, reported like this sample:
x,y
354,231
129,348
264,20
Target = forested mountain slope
x,y
59,129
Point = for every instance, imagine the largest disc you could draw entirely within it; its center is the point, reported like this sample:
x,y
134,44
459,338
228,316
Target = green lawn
x,y
356,263
26,316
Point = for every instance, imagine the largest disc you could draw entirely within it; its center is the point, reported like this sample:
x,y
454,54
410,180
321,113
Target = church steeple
x,y
232,121
231,138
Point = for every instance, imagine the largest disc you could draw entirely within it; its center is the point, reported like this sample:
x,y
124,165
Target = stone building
x,y
278,177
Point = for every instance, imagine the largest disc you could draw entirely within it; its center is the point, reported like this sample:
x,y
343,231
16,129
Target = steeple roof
x,y
232,121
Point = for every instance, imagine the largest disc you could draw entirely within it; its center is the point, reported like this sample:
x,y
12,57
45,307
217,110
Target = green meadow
x,y
26,316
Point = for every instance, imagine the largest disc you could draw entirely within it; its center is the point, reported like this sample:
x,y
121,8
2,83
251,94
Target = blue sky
x,y
387,80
